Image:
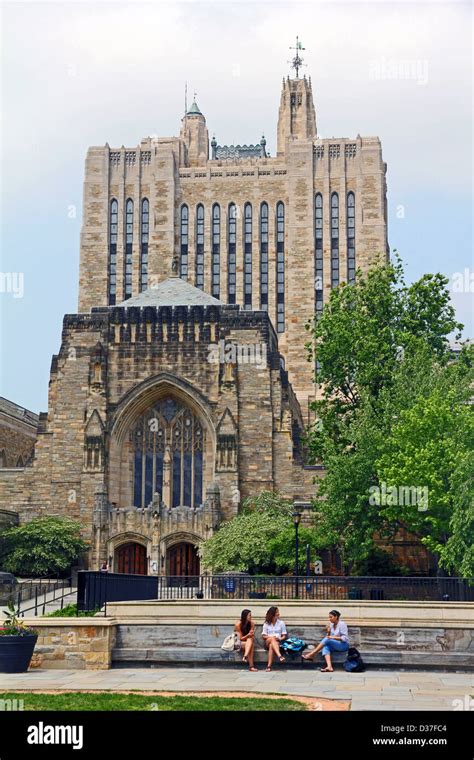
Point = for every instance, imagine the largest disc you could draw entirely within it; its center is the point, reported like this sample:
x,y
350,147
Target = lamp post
x,y
296,522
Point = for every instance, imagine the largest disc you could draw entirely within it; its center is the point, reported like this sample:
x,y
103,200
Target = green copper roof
x,y
194,110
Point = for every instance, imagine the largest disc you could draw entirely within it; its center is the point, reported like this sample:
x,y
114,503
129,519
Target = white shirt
x,y
340,630
274,629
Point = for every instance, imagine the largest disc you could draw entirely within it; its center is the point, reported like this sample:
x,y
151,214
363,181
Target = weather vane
x,y
297,61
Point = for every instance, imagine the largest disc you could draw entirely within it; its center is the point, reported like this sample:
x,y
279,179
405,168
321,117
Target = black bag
x,y
354,662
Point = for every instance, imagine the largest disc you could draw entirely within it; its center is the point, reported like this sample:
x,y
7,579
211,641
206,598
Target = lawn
x,y
112,701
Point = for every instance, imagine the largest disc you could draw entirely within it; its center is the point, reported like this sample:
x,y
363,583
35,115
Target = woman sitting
x,y
337,640
274,631
245,627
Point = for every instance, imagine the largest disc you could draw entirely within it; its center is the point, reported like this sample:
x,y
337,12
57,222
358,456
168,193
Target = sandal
x,y
327,670
267,670
253,670
244,659
282,659
306,657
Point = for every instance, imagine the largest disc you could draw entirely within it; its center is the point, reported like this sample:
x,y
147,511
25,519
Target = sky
x,y
81,74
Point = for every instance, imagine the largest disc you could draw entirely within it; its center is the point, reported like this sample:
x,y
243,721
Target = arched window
x,y
280,265
264,256
351,254
168,435
200,246
318,253
184,227
216,250
128,248
113,229
334,240
248,256
144,244
231,254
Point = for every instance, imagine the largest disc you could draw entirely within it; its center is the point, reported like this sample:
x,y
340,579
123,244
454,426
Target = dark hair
x,y
335,612
245,622
271,612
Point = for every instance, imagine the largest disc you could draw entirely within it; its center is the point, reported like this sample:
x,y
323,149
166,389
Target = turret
x,y
195,136
296,117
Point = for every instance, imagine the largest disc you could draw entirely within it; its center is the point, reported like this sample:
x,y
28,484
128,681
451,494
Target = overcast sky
x,y
80,74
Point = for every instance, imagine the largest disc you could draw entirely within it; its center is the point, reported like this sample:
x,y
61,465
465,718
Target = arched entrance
x,y
183,560
131,558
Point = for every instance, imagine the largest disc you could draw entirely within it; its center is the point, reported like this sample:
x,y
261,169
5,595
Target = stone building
x,y
182,385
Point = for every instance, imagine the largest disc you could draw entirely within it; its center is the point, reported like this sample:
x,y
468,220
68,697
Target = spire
x,y
297,61
194,110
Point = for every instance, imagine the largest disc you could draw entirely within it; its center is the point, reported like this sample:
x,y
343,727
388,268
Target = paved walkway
x,y
373,690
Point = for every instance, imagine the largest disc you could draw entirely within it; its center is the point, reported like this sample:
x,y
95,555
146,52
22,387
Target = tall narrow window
x,y
318,253
248,256
334,240
128,248
183,261
200,246
216,250
280,263
231,254
264,256
144,244
168,430
351,253
113,228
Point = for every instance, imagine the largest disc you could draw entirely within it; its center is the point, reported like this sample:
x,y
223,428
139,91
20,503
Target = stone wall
x,y
429,634
73,643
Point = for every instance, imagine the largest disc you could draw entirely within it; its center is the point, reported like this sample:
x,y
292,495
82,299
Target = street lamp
x,y
296,515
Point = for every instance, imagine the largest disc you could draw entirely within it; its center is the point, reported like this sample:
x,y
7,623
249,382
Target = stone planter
x,y
16,652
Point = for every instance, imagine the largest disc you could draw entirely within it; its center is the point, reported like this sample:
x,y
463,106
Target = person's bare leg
x,y
270,654
329,668
276,647
247,648
310,655
251,655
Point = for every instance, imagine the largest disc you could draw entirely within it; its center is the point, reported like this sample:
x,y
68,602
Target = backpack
x,y
293,645
354,662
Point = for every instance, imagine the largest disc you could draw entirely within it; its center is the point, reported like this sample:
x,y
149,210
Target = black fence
x,y
96,589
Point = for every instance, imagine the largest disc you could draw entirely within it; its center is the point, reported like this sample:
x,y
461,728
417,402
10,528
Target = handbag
x,y
231,642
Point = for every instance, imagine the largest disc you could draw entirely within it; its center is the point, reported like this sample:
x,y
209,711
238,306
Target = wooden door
x,y
183,560
131,558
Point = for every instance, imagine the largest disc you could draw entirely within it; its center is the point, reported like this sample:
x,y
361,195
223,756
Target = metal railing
x,y
96,589
44,596
30,588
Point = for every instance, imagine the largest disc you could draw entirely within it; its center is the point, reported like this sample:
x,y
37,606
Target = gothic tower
x,y
195,137
296,117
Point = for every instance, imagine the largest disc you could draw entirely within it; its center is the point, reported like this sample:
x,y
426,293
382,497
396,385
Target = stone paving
x,y
373,690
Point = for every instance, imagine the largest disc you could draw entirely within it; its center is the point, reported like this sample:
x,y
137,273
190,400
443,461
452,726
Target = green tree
x,y
261,539
380,344
44,546
430,448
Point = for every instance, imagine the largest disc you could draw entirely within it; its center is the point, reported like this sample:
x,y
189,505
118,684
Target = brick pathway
x,y
373,690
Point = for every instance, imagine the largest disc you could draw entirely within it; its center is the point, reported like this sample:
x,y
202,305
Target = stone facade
x,y
267,238
18,428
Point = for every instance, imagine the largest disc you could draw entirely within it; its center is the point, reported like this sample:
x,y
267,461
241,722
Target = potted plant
x,y
17,642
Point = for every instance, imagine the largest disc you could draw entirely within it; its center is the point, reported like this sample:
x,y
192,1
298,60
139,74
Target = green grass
x,y
70,610
140,702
